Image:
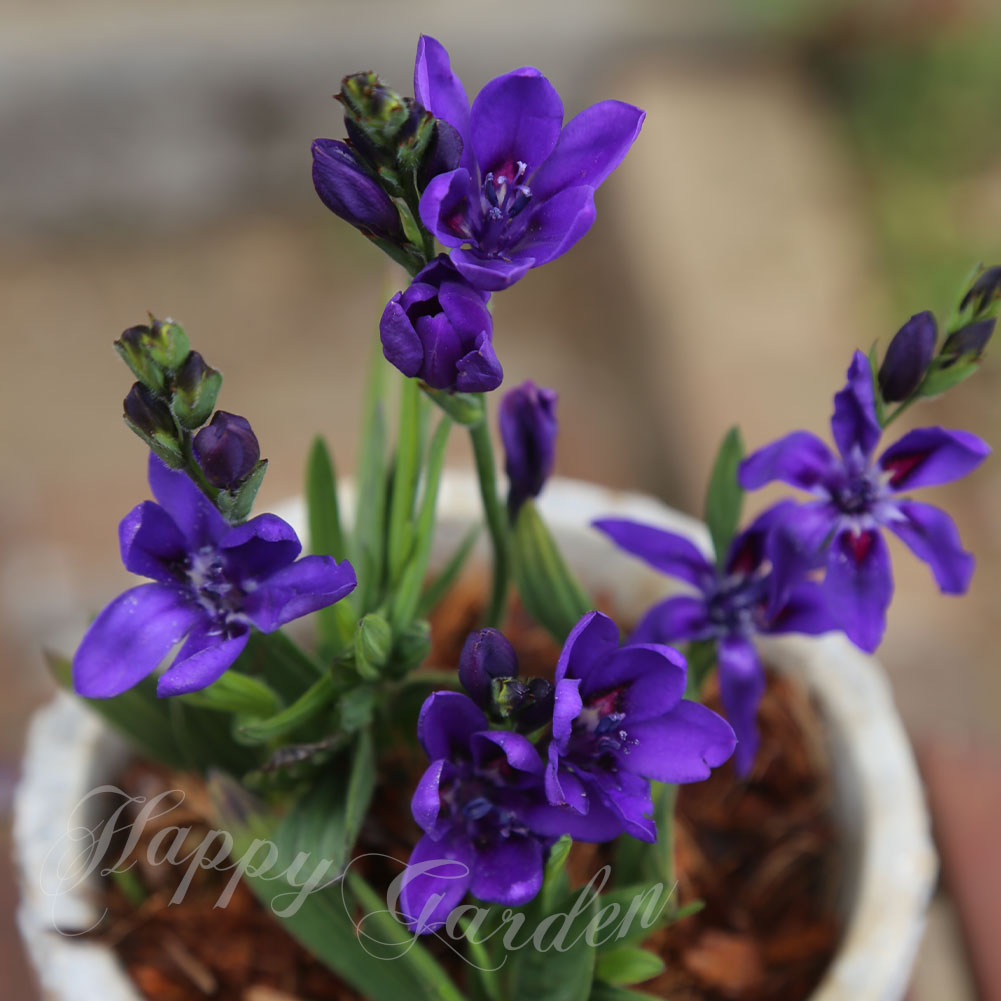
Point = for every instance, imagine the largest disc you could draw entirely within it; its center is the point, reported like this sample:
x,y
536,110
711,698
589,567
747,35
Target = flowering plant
x,y
293,733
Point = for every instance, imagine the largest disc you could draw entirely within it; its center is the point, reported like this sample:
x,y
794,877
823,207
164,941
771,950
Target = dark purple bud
x,y
196,387
349,192
151,419
528,702
528,428
486,655
442,155
968,344
984,290
908,357
440,330
227,450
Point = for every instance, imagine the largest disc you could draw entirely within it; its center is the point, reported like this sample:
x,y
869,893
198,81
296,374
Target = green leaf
x,y
559,974
235,505
940,378
724,496
554,878
606,992
643,908
628,965
548,588
701,657
877,394
407,598
443,583
404,492
318,697
236,693
280,662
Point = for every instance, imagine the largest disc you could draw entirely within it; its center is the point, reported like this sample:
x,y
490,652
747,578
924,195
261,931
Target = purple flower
x,y
730,606
440,330
528,429
350,192
856,494
472,803
523,193
487,654
212,582
227,450
620,720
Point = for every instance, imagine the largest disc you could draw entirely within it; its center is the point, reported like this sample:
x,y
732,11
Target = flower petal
x,y
151,544
193,513
599,823
796,546
932,536
509,871
204,658
516,117
665,551
741,685
447,721
680,618
926,457
491,273
260,547
683,745
652,676
437,877
479,371
441,91
567,707
557,224
804,611
591,146
859,585
444,206
853,423
130,637
800,459
400,343
629,795
425,804
518,751
594,638
310,583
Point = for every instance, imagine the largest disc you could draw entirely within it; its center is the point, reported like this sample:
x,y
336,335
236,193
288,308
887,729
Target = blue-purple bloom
x,y
731,605
350,192
212,582
523,193
440,330
528,429
475,804
620,721
857,494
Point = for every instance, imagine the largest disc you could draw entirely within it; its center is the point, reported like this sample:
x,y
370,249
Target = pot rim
x,y
879,797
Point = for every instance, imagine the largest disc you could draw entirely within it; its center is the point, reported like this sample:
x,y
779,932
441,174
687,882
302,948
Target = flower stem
x,y
483,452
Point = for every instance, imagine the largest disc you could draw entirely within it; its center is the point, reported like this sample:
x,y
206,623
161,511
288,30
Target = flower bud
x,y
351,193
377,109
167,344
528,429
983,291
412,646
486,656
528,702
227,450
373,642
133,349
442,154
968,344
908,357
196,387
440,330
150,418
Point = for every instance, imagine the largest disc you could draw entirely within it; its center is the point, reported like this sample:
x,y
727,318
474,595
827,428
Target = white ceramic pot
x,y
880,808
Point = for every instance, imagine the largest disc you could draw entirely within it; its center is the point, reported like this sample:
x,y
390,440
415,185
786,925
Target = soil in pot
x,y
762,854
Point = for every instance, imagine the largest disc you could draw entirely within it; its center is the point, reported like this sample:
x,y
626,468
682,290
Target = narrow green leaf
x,y
547,586
606,992
279,661
236,693
724,496
644,907
877,395
317,698
628,965
326,537
554,881
407,468
443,583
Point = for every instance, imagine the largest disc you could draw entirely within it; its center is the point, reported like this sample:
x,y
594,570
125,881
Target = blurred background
x,y
810,174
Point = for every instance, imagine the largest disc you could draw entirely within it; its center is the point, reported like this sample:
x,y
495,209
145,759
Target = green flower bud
x,y
133,348
151,419
167,344
373,643
195,390
412,646
376,108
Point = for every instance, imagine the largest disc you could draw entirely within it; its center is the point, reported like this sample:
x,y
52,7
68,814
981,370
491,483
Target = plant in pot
x,y
451,791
